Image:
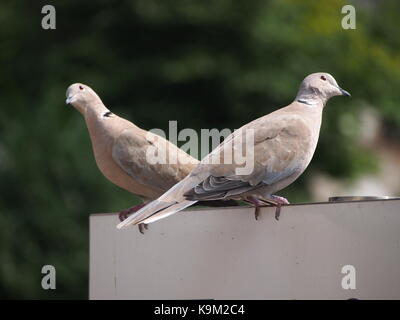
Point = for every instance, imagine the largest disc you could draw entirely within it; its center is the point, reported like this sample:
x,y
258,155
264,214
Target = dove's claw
x,y
272,200
279,201
257,204
122,215
142,227
257,212
278,211
127,212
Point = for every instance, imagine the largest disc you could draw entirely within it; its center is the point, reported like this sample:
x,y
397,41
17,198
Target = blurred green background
x,y
206,64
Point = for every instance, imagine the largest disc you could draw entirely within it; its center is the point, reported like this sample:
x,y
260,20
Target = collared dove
x,y
120,149
284,143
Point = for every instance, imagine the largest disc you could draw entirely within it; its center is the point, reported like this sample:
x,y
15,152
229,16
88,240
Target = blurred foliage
x,y
206,64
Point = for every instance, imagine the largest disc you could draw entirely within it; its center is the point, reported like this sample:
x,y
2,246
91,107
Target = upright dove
x,y
282,147
120,149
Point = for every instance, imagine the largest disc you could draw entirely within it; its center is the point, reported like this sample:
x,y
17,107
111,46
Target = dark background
x,y
207,64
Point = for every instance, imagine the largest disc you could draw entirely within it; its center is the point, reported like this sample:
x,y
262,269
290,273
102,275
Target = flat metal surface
x,y
224,253
360,198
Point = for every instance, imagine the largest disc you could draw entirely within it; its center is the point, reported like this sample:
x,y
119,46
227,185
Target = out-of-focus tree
x,y
206,64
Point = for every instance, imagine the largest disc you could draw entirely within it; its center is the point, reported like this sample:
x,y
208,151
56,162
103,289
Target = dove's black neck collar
x,y
309,102
107,114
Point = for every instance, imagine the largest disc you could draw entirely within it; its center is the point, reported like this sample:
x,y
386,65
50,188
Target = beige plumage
x,y
120,148
284,143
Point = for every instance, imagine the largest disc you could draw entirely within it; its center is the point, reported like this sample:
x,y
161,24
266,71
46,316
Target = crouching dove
x,y
283,144
120,149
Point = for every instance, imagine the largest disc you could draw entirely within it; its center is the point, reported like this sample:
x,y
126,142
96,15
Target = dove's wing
x,y
280,145
151,159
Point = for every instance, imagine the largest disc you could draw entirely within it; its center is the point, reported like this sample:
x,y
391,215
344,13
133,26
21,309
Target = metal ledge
x,y
224,253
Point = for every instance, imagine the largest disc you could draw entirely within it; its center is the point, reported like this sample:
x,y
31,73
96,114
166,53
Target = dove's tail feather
x,y
148,210
172,198
169,211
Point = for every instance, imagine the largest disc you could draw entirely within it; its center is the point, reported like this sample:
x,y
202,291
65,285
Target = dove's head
x,y
319,87
82,96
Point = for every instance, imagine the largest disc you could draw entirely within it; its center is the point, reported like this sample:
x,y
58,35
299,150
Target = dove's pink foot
x,y
279,202
127,212
275,201
257,204
279,199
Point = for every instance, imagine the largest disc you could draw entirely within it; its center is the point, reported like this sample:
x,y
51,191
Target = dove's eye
x,y
323,78
81,88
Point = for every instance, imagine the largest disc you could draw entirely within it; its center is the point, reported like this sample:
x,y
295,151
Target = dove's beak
x,y
344,92
69,100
